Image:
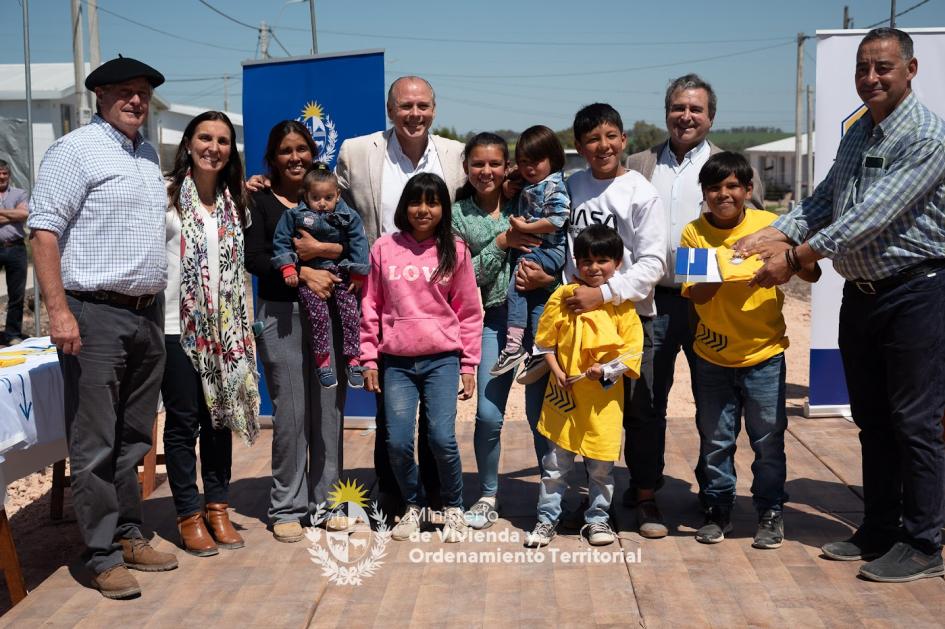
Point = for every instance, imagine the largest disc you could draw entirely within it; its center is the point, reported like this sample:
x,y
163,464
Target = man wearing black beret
x,y
97,231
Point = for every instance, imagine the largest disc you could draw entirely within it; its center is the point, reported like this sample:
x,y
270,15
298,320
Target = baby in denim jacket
x,y
328,219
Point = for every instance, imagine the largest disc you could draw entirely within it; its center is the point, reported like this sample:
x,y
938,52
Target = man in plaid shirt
x,y
880,217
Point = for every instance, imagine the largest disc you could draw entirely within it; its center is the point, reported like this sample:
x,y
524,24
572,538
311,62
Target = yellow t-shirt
x,y
740,326
587,419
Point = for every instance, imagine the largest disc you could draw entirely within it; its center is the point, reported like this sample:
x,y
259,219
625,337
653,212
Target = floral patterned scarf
x,y
218,338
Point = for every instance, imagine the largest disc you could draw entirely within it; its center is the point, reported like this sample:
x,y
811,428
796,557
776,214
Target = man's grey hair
x,y
906,49
691,82
409,77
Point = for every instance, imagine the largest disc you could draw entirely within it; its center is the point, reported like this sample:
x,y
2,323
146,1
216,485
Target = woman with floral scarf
x,y
210,380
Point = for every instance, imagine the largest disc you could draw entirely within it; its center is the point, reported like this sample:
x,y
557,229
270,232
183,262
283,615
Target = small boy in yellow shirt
x,y
582,413
740,369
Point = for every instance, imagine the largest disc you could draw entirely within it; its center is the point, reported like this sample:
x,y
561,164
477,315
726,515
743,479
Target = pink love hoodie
x,y
404,314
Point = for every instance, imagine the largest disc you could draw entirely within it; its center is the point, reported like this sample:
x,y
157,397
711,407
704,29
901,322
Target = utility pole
x,y
892,13
226,92
82,111
798,105
264,40
95,49
29,144
810,141
847,20
311,10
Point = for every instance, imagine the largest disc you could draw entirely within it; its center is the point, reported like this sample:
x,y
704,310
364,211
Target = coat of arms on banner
x,y
348,549
322,128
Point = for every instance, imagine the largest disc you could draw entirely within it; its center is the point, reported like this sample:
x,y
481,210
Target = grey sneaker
x,y
903,563
534,370
650,520
860,546
482,515
409,524
455,529
326,377
541,535
717,523
507,361
770,532
598,533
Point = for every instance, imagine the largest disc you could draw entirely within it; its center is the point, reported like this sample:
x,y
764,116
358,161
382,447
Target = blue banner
x,y
336,96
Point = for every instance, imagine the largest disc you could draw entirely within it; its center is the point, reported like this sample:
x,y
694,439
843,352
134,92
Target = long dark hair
x,y
231,175
276,136
430,187
480,139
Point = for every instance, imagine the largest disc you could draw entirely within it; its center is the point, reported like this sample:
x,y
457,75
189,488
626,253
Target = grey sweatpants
x,y
307,419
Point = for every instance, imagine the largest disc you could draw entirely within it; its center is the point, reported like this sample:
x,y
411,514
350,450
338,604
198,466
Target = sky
x,y
494,64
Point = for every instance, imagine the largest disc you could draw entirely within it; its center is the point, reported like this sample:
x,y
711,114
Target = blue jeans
x,y
492,396
523,306
673,328
723,394
435,379
554,482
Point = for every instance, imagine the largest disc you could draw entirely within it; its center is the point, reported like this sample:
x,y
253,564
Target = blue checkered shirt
x,y
104,197
881,207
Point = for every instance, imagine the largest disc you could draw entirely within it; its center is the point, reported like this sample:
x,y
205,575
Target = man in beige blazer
x,y
372,169
673,168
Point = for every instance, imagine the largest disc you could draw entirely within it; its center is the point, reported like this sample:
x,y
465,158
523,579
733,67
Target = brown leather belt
x,y
13,243
135,302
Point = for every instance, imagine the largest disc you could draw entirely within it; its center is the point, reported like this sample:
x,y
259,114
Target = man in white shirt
x,y
673,168
372,171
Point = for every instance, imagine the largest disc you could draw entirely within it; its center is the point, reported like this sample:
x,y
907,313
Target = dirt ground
x,y
43,545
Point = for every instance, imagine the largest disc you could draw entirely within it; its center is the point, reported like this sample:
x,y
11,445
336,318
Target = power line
x,y
175,36
597,72
903,12
511,42
229,17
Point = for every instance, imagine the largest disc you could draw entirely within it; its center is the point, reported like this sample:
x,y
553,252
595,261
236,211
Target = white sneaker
x,y
455,529
541,535
409,524
598,534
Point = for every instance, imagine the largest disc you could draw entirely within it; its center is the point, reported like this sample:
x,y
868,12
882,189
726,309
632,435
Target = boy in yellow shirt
x,y
582,412
740,369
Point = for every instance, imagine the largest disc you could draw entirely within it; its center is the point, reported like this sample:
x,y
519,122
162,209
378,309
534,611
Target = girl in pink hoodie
x,y
421,326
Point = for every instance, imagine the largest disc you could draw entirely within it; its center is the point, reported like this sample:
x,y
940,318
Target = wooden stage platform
x,y
672,582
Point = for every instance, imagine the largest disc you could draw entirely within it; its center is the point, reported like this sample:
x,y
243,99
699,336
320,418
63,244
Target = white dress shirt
x,y
398,169
678,185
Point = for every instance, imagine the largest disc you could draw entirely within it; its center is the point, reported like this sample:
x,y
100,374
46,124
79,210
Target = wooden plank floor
x,y
677,581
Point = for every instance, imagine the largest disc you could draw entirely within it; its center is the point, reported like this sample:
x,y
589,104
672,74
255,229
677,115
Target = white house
x,y
775,162
53,89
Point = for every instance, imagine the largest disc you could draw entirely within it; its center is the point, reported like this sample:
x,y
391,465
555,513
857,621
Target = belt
x,y
135,302
901,277
670,290
12,243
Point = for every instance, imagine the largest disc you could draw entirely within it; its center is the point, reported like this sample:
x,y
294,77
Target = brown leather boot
x,y
138,555
116,583
194,536
221,527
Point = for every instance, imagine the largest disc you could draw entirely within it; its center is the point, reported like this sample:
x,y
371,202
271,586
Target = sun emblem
x,y
322,128
350,491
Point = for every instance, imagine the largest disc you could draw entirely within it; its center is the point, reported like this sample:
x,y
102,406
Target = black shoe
x,y
507,361
861,545
535,368
903,563
770,532
718,522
